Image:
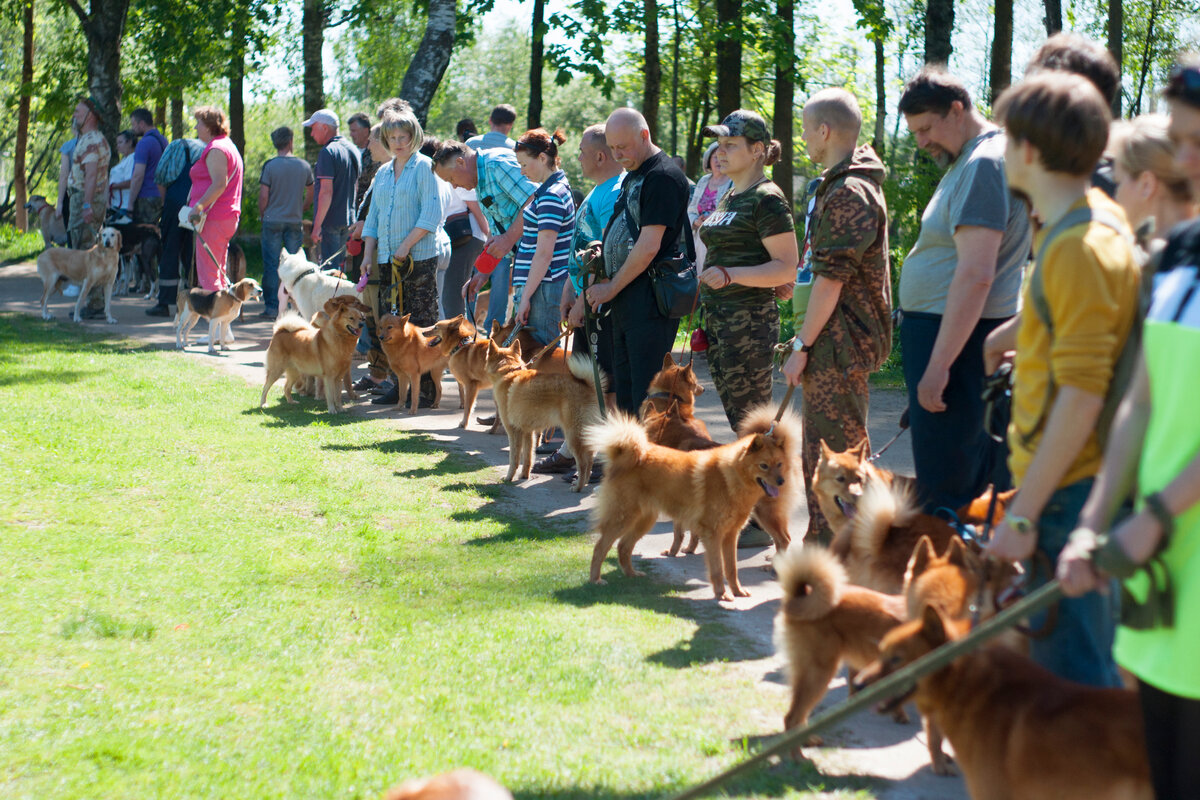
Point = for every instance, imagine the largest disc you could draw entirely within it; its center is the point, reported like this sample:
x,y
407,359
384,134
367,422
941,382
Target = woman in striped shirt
x,y
548,224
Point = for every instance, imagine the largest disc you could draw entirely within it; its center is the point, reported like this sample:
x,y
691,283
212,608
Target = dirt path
x,y
867,745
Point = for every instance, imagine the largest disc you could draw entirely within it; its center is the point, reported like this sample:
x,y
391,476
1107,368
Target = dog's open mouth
x,y
848,509
355,330
890,706
771,489
435,341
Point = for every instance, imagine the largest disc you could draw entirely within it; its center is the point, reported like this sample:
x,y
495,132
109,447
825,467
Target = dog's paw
x,y
944,766
900,716
814,741
670,553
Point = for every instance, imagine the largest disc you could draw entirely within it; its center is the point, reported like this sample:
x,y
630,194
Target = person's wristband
x,y
1158,509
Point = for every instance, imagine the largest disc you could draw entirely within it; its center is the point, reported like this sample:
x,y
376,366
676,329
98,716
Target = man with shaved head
x,y
847,329
649,224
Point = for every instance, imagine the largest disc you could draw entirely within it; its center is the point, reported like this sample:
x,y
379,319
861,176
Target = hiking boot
x,y
594,478
554,464
753,536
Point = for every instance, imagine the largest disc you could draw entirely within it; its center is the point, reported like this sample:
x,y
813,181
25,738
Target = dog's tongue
x,y
771,489
847,510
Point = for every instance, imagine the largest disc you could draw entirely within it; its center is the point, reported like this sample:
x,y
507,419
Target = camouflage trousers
x,y
834,410
376,362
740,342
418,298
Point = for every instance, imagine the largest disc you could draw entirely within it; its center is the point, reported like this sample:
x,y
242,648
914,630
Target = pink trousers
x,y
216,233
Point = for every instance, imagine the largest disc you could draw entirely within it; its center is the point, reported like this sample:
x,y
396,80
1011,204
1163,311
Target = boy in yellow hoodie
x,y
1079,305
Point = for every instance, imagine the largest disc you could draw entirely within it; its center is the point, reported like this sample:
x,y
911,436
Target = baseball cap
x,y
324,116
741,123
91,102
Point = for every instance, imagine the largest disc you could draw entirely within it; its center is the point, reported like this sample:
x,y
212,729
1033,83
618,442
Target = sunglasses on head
x,y
1185,82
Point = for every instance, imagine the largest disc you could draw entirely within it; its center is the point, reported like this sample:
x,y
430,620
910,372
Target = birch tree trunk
x,y
433,56
22,217
1116,45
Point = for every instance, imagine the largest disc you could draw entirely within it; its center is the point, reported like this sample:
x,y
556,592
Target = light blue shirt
x,y
594,213
502,189
399,204
489,140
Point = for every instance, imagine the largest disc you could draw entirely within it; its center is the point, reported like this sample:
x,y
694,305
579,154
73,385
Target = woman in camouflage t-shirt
x,y
752,250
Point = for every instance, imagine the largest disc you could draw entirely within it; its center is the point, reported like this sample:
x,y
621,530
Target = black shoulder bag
x,y
674,280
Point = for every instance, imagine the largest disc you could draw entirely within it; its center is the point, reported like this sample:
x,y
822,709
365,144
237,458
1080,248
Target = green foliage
x,y
16,246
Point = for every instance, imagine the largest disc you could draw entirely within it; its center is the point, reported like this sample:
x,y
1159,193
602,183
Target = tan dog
x,y
1020,732
530,400
710,492
822,623
54,232
300,349
466,356
97,266
461,784
219,308
838,481
410,356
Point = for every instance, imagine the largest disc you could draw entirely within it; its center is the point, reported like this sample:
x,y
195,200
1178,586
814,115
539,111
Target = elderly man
x,y
959,283
503,191
649,224
87,189
847,330
338,165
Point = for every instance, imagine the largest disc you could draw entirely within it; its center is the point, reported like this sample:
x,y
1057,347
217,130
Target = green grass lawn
x,y
205,600
16,246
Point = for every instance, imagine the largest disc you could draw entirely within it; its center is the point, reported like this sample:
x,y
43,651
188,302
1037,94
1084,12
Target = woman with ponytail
x,y
752,250
548,224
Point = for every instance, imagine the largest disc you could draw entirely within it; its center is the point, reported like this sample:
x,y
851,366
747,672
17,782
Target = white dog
x,y
95,267
308,287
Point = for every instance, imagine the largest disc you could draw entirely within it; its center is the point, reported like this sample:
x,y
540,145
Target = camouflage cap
x,y
91,102
741,123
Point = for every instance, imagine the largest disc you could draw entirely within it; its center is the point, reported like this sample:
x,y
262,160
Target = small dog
x,y
530,400
299,348
97,266
308,287
410,356
879,539
1020,732
219,308
466,356
54,231
710,492
838,481
823,622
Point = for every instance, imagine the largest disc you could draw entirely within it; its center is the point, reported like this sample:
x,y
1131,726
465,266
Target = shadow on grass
x,y
775,778
24,334
452,462
306,411
517,524
48,376
716,638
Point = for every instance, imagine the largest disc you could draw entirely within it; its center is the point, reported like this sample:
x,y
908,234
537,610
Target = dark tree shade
x,y
652,80
729,57
1001,71
939,25
785,95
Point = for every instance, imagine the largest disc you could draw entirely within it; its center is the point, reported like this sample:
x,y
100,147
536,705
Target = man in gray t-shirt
x,y
960,281
338,165
285,190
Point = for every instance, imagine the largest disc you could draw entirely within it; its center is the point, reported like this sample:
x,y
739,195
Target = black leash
x,y
904,423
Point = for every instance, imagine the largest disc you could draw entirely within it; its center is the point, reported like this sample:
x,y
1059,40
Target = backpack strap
x,y
1123,366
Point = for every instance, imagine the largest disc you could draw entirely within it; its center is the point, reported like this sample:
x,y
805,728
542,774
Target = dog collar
x,y
463,342
664,396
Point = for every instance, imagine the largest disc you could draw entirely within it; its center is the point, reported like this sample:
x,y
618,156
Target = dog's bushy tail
x,y
881,507
812,580
580,366
619,440
291,321
787,431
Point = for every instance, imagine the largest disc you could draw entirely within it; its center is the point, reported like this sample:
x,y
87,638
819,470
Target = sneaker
x,y
388,398
549,446
268,313
365,384
753,536
72,290
158,311
383,387
554,464
597,474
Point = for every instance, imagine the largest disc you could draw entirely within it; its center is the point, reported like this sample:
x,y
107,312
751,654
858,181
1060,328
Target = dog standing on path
x,y
97,266
219,308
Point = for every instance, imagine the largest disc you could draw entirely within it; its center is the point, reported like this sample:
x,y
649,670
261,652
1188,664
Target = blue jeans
x,y
275,237
1079,647
334,240
544,318
498,296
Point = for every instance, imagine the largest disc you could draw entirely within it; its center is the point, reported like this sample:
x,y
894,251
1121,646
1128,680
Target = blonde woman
x,y
1150,184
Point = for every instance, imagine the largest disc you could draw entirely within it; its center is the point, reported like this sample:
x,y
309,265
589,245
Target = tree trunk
x,y
103,26
1053,18
314,20
1116,45
785,96
160,112
729,57
537,58
675,83
22,218
879,139
177,114
1141,84
237,75
1001,74
652,75
939,26
425,72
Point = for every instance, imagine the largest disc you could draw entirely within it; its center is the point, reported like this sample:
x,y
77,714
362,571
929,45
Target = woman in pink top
x,y
216,196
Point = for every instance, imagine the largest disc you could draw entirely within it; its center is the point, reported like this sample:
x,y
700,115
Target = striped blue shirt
x,y
502,189
398,205
552,209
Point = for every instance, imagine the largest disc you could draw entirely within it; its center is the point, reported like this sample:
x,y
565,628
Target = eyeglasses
x,y
1184,82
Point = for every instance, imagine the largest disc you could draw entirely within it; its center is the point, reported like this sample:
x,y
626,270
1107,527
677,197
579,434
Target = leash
x,y
400,271
474,325
509,339
904,423
548,349
591,330
337,253
897,684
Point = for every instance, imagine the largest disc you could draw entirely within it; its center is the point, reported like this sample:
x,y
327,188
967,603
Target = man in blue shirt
x,y
338,165
503,191
147,199
597,164
501,122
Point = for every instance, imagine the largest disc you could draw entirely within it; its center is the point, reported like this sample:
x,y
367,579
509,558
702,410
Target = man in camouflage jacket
x,y
847,330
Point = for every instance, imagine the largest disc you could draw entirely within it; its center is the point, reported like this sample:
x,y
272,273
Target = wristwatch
x,y
1019,524
799,346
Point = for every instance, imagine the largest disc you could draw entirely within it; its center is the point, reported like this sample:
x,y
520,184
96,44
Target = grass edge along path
x,y
204,599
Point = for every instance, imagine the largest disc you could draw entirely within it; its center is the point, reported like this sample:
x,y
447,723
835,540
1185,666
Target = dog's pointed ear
x,y
758,442
330,306
932,626
404,319
1004,498
459,320
864,449
492,349
668,360
495,328
956,553
516,348
363,307
922,554
826,451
